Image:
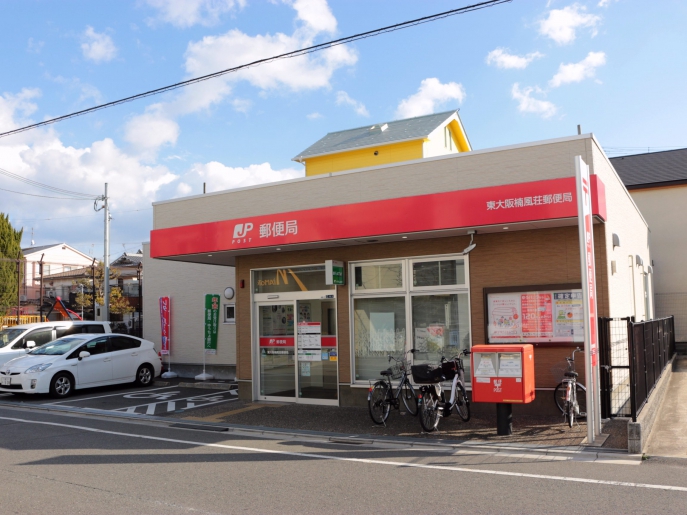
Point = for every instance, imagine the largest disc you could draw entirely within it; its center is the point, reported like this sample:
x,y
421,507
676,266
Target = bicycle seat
x,y
386,372
571,374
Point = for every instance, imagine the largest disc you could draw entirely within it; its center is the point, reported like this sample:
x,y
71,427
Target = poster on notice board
x,y
554,316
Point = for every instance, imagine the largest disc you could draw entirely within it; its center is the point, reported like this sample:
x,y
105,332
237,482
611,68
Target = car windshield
x,y
58,347
8,335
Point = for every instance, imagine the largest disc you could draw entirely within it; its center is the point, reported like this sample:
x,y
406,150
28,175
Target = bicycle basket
x,y
426,373
396,371
449,369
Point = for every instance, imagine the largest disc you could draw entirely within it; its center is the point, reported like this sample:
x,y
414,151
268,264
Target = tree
x,y
10,248
118,303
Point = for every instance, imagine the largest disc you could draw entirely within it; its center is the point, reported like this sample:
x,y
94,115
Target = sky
x,y
522,71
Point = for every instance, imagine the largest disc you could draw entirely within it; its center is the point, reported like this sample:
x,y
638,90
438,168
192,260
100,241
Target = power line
x,y
45,186
114,213
295,53
45,196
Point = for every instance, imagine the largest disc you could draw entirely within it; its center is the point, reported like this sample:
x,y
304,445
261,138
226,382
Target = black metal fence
x,y
633,356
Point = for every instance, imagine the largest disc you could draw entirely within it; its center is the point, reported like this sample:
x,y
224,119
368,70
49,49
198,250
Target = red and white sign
x,y
586,226
276,341
512,203
165,322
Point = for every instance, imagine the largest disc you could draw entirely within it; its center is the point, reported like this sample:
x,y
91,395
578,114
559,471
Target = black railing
x,y
633,356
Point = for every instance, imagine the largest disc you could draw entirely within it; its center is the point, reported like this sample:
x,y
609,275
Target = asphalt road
x,y
158,401
78,463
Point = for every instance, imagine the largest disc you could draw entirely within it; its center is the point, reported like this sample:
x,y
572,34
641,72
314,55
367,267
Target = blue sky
x,y
522,71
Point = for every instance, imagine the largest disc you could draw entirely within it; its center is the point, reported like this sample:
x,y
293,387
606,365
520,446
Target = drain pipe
x,y
634,300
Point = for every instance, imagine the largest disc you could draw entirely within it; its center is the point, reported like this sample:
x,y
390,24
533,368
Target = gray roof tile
x,y
652,168
399,130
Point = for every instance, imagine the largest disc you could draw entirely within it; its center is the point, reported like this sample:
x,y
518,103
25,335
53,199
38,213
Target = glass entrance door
x,y
317,351
277,345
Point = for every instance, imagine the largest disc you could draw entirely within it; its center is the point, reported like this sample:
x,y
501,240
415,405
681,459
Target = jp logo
x,y
497,385
240,230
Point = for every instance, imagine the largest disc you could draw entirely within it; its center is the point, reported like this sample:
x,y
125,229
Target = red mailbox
x,y
502,373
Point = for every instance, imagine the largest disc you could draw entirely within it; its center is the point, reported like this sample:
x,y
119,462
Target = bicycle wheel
x,y
462,403
409,398
571,413
581,391
378,402
429,414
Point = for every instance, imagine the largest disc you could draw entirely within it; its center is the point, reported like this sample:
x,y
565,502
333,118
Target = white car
x,y
14,341
82,361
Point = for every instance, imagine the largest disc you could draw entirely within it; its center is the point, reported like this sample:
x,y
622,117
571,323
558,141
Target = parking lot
x,y
155,401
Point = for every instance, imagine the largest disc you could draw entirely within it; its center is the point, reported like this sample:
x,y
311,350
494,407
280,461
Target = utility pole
x,y
40,291
106,285
106,254
93,286
18,286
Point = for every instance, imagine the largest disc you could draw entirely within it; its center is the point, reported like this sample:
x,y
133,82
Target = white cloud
x,y
605,3
316,14
431,94
34,47
314,116
149,131
86,91
577,72
219,177
186,13
561,25
15,108
97,47
502,59
184,190
342,98
527,104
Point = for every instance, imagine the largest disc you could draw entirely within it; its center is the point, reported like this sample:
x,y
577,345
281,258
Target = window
x,y
46,269
415,303
67,268
302,278
38,336
230,313
379,329
450,272
378,276
98,346
123,343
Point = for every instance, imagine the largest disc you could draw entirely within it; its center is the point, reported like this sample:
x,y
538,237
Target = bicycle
x,y
432,401
571,396
381,396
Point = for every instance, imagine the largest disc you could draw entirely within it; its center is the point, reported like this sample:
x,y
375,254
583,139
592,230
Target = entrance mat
x,y
216,429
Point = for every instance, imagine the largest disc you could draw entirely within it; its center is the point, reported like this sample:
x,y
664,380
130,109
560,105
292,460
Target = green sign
x,y
334,272
211,323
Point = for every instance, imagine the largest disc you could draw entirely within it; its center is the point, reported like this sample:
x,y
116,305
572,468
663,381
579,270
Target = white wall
x,y
186,284
625,220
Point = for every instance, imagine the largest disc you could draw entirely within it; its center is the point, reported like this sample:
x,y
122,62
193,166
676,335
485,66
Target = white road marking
x,y
214,398
398,464
103,396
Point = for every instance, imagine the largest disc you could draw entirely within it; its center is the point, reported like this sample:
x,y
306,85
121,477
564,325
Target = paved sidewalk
x,y
669,434
544,431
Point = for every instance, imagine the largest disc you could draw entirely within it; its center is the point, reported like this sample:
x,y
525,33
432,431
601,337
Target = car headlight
x,y
37,368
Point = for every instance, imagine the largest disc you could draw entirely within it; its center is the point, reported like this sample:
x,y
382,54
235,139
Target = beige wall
x,y
533,162
186,284
664,210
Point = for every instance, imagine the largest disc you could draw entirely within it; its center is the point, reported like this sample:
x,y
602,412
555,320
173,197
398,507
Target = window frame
x,y
407,292
404,273
464,285
228,320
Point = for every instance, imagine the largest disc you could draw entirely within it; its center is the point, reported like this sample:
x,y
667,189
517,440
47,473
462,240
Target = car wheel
x,y
61,385
145,375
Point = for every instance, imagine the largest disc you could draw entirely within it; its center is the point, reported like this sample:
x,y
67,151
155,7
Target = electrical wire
x,y
45,196
287,55
37,184
115,213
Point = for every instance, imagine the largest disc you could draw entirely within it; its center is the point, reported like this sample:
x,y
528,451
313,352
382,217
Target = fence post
x,y
633,369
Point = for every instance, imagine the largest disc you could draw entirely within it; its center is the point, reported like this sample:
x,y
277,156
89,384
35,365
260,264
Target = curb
x,y
343,438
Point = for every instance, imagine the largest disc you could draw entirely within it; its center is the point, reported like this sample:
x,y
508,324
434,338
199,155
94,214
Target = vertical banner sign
x,y
334,273
211,323
165,321
589,299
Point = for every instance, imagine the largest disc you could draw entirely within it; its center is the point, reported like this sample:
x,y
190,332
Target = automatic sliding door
x,y
277,344
317,350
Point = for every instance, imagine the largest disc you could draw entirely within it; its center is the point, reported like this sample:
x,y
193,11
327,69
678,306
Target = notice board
x,y
542,314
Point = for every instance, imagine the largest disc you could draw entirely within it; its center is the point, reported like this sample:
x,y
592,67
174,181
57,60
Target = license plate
x,y
5,381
